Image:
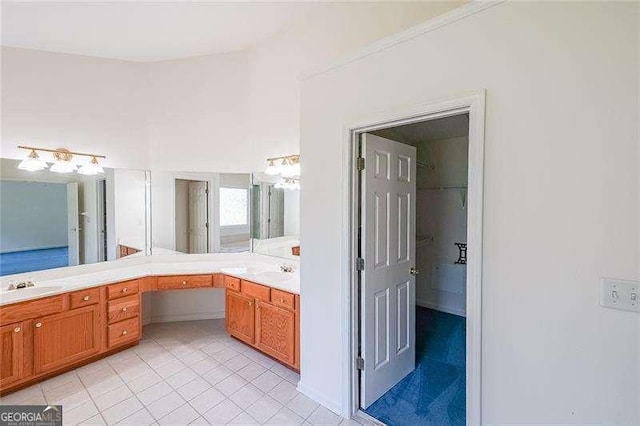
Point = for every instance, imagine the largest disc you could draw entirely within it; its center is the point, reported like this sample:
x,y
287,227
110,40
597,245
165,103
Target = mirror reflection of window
x,y
200,212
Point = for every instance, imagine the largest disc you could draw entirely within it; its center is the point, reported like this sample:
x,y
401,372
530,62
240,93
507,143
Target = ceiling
x,y
441,128
125,30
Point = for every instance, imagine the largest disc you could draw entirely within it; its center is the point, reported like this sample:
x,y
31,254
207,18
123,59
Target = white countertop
x,y
249,266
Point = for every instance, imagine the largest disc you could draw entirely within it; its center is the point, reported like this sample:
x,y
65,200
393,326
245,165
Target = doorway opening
x,y
192,216
416,207
101,215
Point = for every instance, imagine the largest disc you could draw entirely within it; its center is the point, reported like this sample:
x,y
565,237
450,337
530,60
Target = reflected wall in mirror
x,y
51,220
200,212
275,217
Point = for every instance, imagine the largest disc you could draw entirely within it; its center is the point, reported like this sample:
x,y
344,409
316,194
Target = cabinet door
x,y
240,316
275,332
11,353
65,338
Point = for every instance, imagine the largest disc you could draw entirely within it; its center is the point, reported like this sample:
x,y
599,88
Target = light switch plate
x,y
620,294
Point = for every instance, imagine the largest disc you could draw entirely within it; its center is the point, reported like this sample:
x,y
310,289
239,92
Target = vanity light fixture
x,y
33,163
91,169
288,183
289,166
272,169
63,161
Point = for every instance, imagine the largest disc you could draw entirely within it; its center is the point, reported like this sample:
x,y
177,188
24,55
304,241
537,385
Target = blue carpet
x,y
434,393
33,260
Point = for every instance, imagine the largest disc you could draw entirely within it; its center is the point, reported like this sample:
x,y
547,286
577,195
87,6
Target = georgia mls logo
x,y
26,415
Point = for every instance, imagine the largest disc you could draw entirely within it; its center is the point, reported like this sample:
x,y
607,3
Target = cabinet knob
x,y
281,300
17,330
85,298
250,303
38,324
124,333
184,283
124,290
124,309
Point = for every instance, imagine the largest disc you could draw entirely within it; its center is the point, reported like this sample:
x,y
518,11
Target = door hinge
x,y
360,264
360,164
360,363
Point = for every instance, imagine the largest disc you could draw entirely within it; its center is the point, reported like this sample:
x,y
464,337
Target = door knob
x,y
414,271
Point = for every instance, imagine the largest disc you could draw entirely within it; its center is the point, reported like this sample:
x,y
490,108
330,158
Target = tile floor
x,y
181,373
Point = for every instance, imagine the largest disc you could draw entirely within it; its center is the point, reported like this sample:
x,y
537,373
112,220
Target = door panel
x,y
388,248
240,316
73,229
275,332
66,337
11,353
198,217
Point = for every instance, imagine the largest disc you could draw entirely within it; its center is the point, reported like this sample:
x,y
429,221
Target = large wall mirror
x,y
200,212
52,220
275,217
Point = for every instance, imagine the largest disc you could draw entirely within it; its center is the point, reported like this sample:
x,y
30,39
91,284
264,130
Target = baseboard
x,y
436,307
319,398
186,317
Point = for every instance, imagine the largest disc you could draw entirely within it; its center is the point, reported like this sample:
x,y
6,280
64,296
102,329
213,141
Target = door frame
x,y
473,104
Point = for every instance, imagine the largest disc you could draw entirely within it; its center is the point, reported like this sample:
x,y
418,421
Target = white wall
x,y
129,207
292,212
441,220
560,201
76,102
33,215
245,105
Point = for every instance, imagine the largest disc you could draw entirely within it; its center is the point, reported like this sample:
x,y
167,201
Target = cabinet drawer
x,y
123,308
124,331
283,299
232,282
86,297
31,309
256,290
184,281
126,288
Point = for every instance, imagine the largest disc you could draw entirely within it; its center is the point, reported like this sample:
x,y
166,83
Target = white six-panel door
x,y
73,225
388,248
198,217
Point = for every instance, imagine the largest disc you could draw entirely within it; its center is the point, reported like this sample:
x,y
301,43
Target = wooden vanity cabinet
x,y
11,353
265,318
240,316
65,338
275,332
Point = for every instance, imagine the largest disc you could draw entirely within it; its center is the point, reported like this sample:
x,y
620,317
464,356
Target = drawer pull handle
x,y
17,330
38,324
124,290
124,309
85,298
124,333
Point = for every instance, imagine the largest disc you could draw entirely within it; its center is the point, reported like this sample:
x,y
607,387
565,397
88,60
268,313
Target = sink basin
x,y
10,296
274,276
240,270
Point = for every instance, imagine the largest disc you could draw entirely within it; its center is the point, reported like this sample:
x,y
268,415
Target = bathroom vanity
x,y
62,323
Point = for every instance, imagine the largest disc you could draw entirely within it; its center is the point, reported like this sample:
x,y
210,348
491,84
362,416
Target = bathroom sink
x,y
274,276
10,296
240,270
